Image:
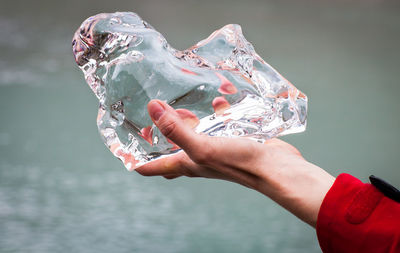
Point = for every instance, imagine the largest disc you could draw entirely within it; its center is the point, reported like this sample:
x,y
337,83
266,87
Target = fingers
x,y
181,165
163,167
217,153
214,152
188,117
173,126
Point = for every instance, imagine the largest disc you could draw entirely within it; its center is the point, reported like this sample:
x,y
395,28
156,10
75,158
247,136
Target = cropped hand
x,y
274,168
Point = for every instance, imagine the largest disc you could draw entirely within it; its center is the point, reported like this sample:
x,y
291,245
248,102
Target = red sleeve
x,y
357,217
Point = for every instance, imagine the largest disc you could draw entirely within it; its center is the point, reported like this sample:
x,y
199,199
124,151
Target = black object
x,y
387,189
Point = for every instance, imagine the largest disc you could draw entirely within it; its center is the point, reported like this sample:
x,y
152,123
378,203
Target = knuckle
x,y
184,169
168,128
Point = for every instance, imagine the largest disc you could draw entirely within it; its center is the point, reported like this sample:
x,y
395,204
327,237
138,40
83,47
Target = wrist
x,y
297,185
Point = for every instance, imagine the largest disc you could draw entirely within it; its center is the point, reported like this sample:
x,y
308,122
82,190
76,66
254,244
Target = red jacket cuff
x,y
356,217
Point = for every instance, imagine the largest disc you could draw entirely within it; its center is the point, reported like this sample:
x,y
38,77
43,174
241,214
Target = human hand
x,y
235,159
274,168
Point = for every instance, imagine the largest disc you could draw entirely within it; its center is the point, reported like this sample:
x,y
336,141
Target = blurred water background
x,y
61,190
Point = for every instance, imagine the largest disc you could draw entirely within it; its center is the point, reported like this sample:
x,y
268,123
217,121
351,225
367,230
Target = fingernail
x,y
156,110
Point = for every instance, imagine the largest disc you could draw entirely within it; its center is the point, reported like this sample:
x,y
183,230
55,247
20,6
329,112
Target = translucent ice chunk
x,y
221,80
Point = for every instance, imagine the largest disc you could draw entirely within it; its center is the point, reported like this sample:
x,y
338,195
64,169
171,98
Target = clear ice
x,y
221,86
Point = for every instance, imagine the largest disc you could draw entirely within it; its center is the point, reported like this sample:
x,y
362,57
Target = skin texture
x,y
275,168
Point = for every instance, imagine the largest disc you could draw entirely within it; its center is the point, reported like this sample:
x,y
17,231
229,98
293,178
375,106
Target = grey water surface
x,y
61,190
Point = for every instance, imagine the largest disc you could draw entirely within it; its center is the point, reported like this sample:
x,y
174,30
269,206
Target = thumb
x,y
172,126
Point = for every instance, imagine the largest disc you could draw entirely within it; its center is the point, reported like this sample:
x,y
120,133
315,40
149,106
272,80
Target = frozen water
x,y
221,86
